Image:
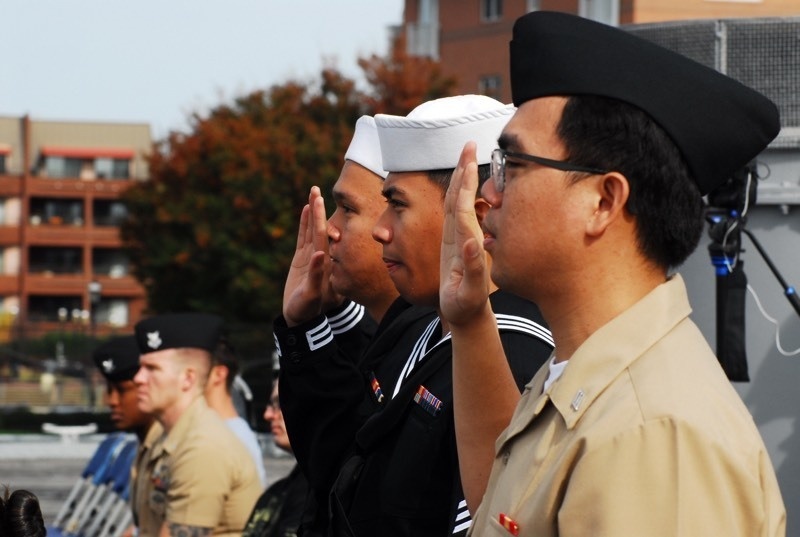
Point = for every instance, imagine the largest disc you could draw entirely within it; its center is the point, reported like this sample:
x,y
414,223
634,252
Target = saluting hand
x,y
465,279
308,292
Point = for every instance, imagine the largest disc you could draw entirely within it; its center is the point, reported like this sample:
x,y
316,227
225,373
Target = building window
x,y
112,168
112,312
53,260
56,212
109,212
491,10
110,262
605,11
60,167
5,152
491,86
9,260
533,5
46,308
428,11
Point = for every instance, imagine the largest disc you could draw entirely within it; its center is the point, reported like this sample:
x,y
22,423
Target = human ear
x,y
610,192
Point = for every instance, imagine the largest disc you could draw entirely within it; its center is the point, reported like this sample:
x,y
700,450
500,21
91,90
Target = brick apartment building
x,y
470,37
61,262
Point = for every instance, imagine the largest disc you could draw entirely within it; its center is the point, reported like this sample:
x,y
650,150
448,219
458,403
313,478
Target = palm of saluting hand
x,y
464,284
308,291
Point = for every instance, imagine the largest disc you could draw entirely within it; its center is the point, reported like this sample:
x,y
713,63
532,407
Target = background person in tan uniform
x,y
219,396
632,428
202,480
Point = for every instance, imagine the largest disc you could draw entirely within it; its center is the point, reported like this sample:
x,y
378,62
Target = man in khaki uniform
x,y
632,427
200,478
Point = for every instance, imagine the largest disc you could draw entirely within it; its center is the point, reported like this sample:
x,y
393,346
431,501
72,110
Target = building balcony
x,y
9,235
38,186
9,284
71,235
10,186
46,283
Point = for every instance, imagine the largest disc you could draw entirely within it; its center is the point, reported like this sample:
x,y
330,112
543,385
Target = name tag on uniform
x,y
429,402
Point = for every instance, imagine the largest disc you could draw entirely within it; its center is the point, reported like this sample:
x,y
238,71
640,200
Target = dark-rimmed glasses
x,y
499,157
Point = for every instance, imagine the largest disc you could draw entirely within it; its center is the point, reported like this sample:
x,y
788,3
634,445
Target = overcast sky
x,y
155,61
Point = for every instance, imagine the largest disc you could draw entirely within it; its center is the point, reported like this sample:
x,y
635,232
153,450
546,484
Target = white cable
x,y
773,321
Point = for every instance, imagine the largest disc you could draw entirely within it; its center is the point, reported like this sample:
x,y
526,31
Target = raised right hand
x,y
308,292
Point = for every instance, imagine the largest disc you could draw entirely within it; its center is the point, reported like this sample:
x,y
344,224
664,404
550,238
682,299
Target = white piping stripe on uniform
x,y
506,322
418,350
347,319
462,527
319,336
462,513
277,345
524,325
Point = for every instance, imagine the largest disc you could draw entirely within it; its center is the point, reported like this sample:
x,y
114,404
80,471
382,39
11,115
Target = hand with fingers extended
x,y
308,292
465,274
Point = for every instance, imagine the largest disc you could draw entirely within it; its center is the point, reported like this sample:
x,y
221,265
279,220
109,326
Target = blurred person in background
x,y
21,515
118,361
279,510
219,396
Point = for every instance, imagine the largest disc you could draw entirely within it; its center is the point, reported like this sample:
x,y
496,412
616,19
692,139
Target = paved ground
x,y
49,468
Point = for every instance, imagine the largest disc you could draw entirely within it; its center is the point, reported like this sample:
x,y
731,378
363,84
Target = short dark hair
x,y
609,134
225,355
442,177
21,515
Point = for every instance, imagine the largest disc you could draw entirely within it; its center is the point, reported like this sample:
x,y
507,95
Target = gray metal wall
x,y
765,55
773,393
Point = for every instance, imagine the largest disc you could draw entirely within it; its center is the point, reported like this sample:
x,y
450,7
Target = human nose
x,y
381,231
490,193
334,234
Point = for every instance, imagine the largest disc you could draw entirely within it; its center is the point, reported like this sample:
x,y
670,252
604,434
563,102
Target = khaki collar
x,y
603,357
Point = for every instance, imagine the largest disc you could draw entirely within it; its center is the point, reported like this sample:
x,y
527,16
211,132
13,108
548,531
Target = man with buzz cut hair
x,y
632,427
200,479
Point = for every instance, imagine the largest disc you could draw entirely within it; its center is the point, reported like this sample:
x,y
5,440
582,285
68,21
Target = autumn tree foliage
x,y
214,228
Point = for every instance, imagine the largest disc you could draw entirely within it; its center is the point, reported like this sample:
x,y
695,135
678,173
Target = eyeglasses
x,y
499,157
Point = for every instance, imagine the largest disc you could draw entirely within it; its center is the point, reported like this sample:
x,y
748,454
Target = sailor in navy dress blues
x,y
329,319
401,474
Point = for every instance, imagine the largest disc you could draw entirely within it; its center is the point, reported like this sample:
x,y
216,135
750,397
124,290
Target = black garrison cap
x,y
179,331
118,358
718,124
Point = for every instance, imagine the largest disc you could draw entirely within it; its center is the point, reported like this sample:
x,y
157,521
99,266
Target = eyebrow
x,y
391,191
508,141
